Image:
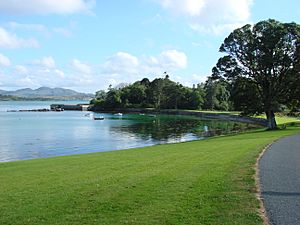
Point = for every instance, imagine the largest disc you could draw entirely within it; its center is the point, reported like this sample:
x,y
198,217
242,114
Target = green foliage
x,y
11,98
100,95
217,95
161,93
267,56
113,99
156,92
245,96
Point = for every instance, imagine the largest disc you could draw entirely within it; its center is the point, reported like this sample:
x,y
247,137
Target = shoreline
x,y
208,115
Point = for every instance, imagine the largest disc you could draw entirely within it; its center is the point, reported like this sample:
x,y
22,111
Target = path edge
x,y
262,210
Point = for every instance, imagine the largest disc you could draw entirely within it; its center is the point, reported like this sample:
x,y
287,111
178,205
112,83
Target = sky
x,y
87,45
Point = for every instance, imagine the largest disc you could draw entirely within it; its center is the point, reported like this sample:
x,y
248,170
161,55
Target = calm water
x,y
28,135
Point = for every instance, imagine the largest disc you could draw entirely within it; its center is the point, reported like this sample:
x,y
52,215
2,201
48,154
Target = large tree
x,y
267,56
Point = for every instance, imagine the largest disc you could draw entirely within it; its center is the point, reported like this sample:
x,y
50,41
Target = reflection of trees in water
x,y
168,127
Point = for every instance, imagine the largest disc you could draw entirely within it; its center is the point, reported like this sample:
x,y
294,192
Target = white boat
x,y
118,114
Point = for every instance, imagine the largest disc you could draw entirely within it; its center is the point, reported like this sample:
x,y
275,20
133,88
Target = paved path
x,y
280,181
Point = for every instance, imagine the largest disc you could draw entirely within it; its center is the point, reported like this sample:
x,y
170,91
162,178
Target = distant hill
x,y
2,92
48,93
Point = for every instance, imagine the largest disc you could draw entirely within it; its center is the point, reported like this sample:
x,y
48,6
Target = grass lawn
x,y
280,120
215,111
286,119
200,182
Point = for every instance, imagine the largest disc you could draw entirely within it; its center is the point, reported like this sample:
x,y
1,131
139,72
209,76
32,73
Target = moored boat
x,y
99,118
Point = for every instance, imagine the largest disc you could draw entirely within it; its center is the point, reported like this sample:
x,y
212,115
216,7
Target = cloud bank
x,y
4,61
119,68
123,63
210,16
11,40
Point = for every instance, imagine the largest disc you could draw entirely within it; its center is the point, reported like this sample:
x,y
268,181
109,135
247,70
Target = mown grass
x,y
200,182
214,111
280,119
286,119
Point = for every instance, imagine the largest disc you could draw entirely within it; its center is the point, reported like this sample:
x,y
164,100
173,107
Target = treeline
x,y
10,98
163,93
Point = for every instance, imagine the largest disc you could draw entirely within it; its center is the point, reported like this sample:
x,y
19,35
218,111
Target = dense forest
x,y
163,93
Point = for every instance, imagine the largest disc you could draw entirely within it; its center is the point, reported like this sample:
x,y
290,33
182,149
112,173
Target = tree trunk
x,y
272,125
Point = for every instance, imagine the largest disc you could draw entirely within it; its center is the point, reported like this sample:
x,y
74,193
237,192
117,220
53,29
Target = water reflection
x,y
164,128
35,135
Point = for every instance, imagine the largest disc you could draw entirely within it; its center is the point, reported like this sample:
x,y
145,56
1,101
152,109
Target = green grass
x,y
213,111
286,119
199,182
280,120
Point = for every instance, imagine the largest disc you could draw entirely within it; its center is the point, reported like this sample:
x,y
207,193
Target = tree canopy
x,y
262,66
161,93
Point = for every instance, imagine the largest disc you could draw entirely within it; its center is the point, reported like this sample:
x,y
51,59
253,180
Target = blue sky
x,y
87,45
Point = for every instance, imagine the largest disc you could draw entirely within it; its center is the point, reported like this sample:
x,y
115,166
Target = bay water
x,y
29,135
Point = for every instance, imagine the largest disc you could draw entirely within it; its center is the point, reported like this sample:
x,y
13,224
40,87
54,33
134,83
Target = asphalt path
x,y
279,173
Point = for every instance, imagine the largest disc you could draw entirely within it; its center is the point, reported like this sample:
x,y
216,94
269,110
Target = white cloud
x,y
19,69
112,82
121,62
4,61
125,64
189,7
59,73
125,67
81,67
46,6
210,16
10,40
27,82
121,67
44,72
47,62
173,59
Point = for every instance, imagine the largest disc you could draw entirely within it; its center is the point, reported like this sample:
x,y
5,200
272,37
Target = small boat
x,y
99,118
118,114
58,109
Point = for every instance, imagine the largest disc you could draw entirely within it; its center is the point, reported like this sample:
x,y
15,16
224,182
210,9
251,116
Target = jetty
x,y
30,110
77,107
